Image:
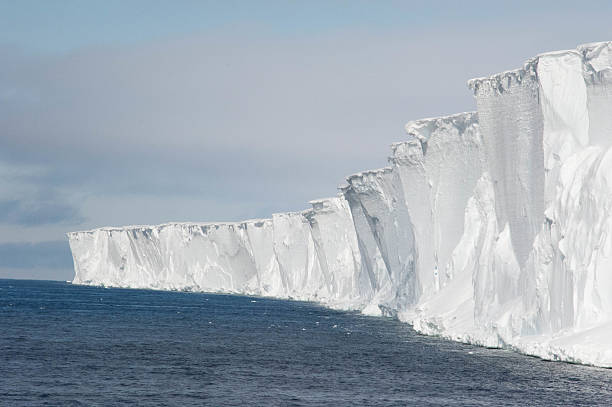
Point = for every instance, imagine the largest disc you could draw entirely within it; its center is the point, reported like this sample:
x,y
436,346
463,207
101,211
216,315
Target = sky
x,y
142,112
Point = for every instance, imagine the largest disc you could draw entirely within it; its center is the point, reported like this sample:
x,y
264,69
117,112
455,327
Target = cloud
x,y
35,213
243,115
29,199
241,120
48,255
49,260
227,116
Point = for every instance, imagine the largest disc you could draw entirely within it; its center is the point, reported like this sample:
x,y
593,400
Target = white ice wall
x,y
491,228
438,168
546,129
386,237
310,255
508,107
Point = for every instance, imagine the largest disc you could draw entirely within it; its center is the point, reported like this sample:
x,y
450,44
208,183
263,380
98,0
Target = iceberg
x,y
491,227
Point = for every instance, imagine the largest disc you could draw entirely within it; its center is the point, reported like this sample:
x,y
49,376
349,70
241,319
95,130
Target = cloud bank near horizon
x,y
236,122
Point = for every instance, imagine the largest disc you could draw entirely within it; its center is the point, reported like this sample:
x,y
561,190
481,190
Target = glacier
x,y
491,227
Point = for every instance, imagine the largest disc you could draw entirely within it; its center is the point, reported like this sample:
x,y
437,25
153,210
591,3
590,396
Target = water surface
x,y
62,344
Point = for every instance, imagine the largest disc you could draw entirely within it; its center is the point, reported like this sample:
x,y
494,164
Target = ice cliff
x,y
492,228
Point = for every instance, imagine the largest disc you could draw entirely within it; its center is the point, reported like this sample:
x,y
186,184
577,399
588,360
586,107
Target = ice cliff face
x,y
493,227
310,255
547,134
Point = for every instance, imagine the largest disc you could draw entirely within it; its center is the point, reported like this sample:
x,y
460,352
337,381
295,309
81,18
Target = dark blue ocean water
x,y
65,345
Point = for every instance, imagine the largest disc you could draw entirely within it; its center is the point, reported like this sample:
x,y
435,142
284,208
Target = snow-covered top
x,y
323,201
158,226
422,129
594,49
596,56
319,205
363,178
359,176
323,205
503,81
290,214
204,225
420,133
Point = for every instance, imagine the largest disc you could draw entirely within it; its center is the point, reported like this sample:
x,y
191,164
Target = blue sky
x,y
132,112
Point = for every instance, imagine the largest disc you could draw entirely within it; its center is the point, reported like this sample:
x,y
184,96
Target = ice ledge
x,y
161,226
596,50
504,81
361,176
421,131
596,57
597,60
318,205
323,205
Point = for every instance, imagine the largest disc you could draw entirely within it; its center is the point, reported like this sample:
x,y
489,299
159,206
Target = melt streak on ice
x,y
492,228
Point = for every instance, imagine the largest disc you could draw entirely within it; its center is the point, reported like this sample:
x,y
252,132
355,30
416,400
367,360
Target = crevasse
x,y
492,228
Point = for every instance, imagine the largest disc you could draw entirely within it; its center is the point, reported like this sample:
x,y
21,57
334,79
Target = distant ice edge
x,y
492,228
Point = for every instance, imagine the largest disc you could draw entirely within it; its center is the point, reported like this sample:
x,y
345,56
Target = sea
x,y
70,345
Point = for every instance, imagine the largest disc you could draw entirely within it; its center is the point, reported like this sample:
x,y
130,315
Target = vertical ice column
x,y
297,258
547,130
438,169
86,253
387,238
229,266
338,252
91,252
598,77
511,121
372,263
260,234
118,256
511,124
576,96
183,250
563,103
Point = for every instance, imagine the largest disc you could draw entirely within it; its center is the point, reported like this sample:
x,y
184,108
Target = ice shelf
x,y
492,227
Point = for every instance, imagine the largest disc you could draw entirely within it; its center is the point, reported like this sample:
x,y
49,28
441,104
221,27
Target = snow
x,y
492,227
